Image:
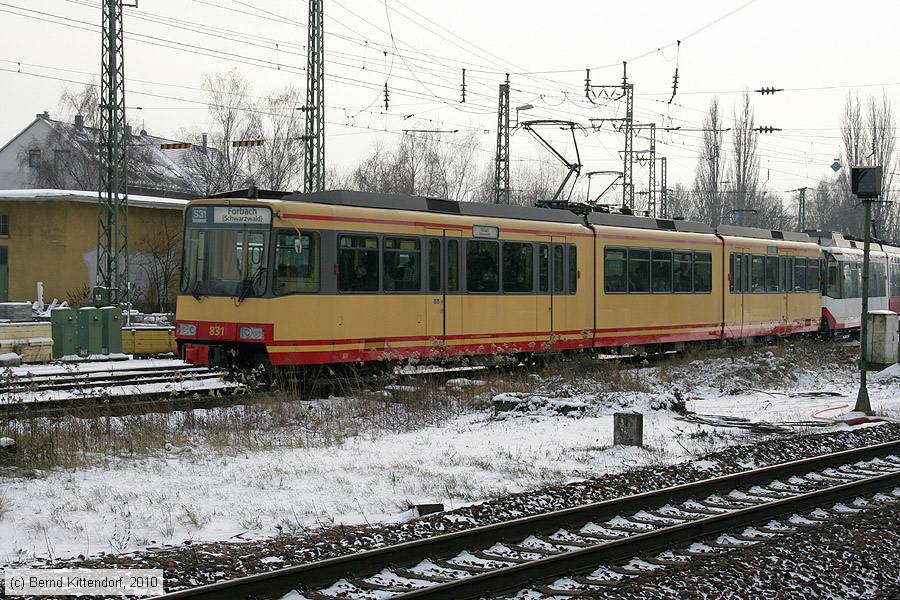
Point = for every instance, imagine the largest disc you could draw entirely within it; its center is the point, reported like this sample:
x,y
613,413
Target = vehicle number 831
x,y
217,330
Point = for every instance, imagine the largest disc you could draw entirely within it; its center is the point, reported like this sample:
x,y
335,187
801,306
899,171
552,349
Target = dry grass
x,y
279,420
282,420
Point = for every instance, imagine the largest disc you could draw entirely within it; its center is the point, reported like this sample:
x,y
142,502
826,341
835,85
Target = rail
x,y
516,564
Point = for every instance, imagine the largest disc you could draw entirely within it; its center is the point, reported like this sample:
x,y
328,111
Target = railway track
x,y
119,388
581,550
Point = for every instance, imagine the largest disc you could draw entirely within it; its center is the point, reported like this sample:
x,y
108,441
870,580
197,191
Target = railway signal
x,y
865,183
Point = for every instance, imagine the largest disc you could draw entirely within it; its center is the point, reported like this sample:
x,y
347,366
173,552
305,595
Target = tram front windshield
x,y
225,260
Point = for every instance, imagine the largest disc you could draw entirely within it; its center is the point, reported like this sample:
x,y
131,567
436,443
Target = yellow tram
x,y
342,277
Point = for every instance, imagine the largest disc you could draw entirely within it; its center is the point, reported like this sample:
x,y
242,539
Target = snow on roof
x,y
87,196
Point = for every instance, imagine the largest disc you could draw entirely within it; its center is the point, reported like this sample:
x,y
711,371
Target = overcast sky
x,y
817,50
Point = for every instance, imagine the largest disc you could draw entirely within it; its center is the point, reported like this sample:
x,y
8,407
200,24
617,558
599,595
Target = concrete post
x,y
628,429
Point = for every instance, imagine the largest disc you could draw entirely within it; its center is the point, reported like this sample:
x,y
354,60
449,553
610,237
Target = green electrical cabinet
x,y
111,320
89,332
63,330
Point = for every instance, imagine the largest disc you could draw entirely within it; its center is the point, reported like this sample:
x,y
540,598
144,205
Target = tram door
x,y
444,284
558,298
544,303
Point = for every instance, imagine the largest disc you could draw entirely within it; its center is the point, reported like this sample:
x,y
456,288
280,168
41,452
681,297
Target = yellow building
x,y
51,236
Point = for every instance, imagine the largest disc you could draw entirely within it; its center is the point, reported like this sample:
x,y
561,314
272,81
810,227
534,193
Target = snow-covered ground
x,y
205,492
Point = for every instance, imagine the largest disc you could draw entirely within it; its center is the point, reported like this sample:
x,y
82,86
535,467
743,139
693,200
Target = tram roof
x,y
434,205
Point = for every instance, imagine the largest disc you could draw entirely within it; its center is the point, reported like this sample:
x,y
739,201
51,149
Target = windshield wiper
x,y
250,284
195,292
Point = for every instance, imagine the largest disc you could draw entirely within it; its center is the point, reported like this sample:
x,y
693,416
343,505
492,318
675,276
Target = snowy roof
x,y
86,196
166,171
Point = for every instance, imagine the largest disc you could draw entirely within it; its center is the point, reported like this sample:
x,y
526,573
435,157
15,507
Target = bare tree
x,y
425,164
278,164
84,102
743,172
157,256
680,203
868,132
882,133
231,113
710,169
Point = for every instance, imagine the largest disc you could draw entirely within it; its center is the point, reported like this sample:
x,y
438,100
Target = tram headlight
x,y
251,333
187,330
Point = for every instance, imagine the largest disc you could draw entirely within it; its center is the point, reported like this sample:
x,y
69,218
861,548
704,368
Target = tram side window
x,y
757,274
638,270
735,276
662,271
482,266
785,274
772,274
573,269
615,262
296,263
876,279
702,272
559,273
683,274
895,277
518,267
833,282
852,285
799,274
452,265
434,265
358,263
543,269
812,275
402,265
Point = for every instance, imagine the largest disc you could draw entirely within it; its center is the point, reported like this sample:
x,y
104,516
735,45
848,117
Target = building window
x,y
4,224
34,158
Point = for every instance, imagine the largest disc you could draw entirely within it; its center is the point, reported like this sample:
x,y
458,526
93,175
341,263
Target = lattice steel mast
x,y
501,178
112,218
663,190
628,155
622,124
314,138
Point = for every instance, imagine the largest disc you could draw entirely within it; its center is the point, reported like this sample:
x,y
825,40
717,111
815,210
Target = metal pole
x,y
314,138
862,398
501,174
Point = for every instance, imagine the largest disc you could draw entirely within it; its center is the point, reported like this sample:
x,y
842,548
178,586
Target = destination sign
x,y
241,215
